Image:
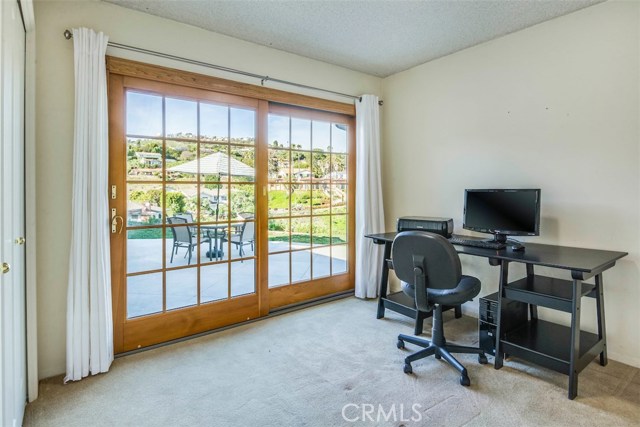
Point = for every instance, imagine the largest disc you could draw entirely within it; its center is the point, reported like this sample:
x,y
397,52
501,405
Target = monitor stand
x,y
514,245
498,238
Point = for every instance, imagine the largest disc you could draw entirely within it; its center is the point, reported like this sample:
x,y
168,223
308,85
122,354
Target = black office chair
x,y
430,271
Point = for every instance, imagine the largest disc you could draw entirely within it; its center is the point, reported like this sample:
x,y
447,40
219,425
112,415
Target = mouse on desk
x,y
517,247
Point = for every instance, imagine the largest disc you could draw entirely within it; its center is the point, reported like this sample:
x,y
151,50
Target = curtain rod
x,y
68,35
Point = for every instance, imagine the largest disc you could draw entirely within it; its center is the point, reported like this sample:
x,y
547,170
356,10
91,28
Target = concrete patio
x,y
144,292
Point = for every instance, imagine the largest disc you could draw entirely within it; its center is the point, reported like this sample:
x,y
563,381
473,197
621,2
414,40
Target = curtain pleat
x,y
89,320
369,208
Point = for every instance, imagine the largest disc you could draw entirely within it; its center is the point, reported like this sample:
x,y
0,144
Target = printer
x,y
441,226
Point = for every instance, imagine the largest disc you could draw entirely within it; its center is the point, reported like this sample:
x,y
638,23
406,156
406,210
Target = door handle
x,y
5,268
114,224
20,241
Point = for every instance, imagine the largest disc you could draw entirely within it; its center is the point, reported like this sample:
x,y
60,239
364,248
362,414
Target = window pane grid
x,y
307,188
167,160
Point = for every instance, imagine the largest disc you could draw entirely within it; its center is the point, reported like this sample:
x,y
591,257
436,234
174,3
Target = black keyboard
x,y
477,243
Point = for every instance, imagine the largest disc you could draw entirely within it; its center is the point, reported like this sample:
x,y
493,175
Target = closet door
x,y
12,254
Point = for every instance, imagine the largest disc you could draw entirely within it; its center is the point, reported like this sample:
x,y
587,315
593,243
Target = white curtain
x,y
89,325
369,209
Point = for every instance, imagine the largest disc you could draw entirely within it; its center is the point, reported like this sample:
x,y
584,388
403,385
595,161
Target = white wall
x,y
55,121
555,107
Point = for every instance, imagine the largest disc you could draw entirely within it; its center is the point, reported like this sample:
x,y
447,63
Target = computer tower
x,y
514,315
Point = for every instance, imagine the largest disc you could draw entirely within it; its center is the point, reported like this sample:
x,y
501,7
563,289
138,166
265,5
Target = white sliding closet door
x,y
12,227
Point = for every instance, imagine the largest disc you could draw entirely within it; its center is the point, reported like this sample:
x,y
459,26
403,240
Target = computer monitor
x,y
502,212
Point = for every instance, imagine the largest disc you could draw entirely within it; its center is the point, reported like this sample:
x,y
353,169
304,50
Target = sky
x,y
144,118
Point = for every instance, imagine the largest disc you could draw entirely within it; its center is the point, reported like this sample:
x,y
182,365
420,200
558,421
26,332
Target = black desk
x,y
564,349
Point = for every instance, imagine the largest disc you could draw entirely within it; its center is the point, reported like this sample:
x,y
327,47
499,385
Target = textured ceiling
x,y
376,37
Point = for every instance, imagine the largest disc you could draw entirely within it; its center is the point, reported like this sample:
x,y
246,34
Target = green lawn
x,y
301,229
145,233
306,239
278,199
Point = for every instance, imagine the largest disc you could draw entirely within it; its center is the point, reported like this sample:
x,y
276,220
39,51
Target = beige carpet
x,y
302,368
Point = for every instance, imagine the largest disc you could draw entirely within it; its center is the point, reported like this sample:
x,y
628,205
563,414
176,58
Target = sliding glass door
x,y
223,208
185,164
310,209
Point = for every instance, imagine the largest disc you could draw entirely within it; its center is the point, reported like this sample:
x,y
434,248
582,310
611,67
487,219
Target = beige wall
x,y
555,106
55,101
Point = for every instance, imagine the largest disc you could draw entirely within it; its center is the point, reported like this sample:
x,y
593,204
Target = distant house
x,y
338,179
150,160
214,199
336,176
302,175
144,212
212,196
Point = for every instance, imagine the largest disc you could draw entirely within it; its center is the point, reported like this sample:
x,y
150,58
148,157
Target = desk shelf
x,y
545,343
404,304
400,303
545,291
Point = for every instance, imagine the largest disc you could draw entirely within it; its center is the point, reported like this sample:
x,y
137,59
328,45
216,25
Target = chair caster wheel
x,y
482,359
400,344
437,356
407,368
464,380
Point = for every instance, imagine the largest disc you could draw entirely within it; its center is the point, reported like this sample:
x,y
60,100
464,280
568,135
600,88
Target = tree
x,y
248,157
320,163
339,162
242,199
153,196
175,203
172,153
187,155
277,159
149,146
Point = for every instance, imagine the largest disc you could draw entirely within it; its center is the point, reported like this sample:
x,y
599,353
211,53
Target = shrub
x,y
176,203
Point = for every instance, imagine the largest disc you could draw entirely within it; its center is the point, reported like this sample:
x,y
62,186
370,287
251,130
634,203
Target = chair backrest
x,y
185,215
180,234
248,232
437,256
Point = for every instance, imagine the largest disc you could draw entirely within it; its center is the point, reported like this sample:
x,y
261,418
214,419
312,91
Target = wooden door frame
x,y
122,72
125,67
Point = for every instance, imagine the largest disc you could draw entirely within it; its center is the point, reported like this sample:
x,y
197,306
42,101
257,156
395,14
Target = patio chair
x,y
186,215
189,217
183,237
245,236
247,216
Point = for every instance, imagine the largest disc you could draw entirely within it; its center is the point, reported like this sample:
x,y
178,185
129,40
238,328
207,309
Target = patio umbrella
x,y
215,164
